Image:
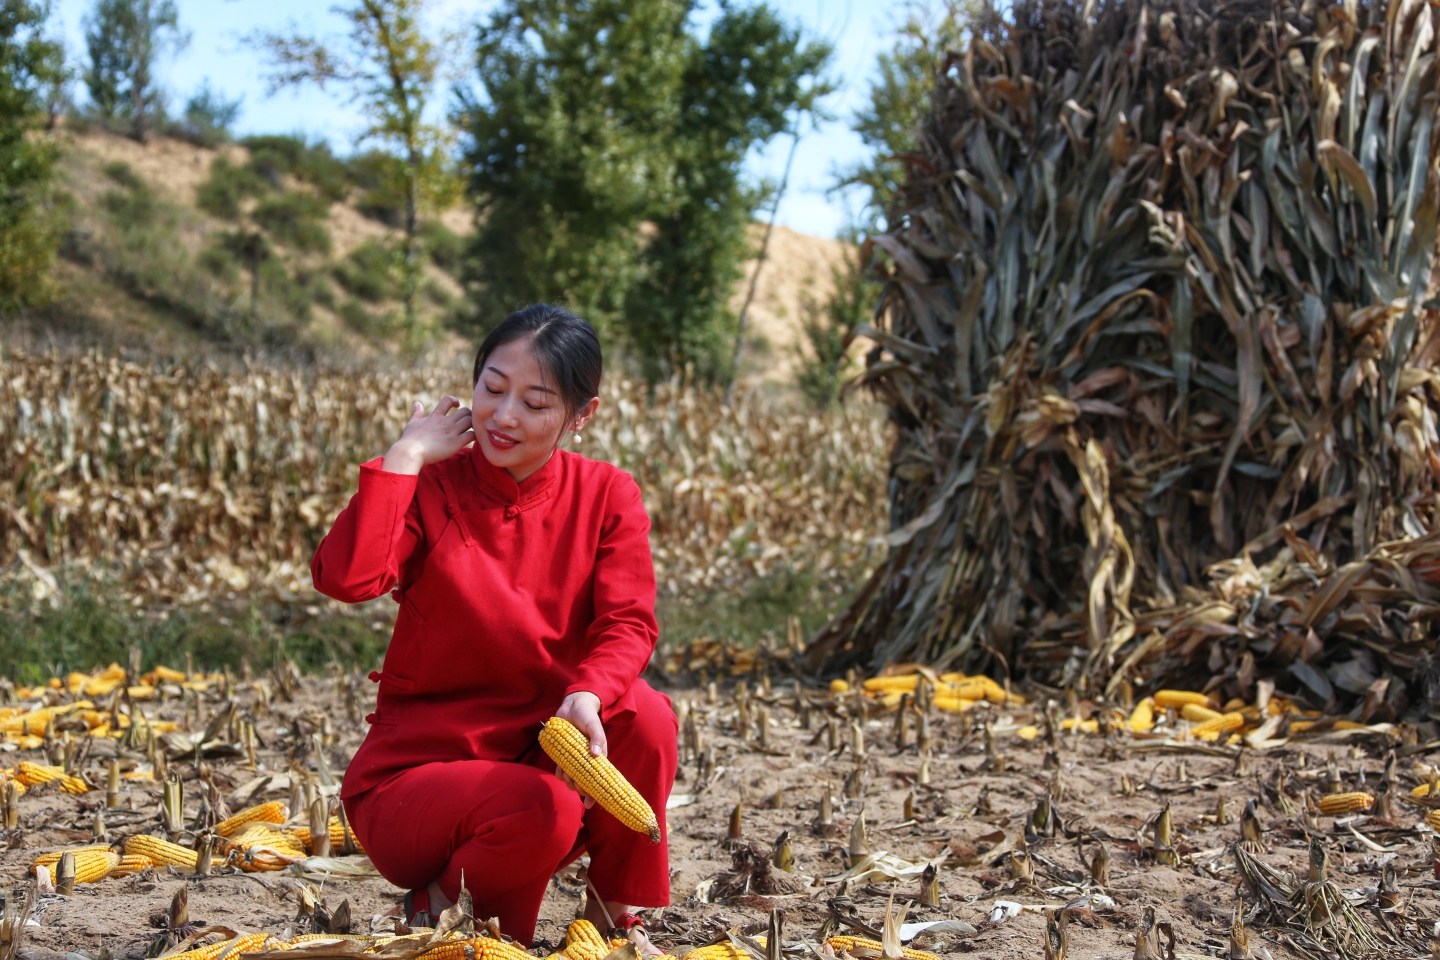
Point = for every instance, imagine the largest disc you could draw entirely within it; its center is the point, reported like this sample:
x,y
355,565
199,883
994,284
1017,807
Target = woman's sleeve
x,y
361,556
623,634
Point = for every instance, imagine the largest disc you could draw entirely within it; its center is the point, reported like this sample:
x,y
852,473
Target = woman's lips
x,y
502,441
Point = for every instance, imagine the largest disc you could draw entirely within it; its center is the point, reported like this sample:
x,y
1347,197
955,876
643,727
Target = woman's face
x,y
518,418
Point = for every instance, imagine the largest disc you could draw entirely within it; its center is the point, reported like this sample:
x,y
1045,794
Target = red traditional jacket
x,y
512,596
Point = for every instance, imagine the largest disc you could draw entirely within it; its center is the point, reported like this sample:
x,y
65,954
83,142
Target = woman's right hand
x,y
430,437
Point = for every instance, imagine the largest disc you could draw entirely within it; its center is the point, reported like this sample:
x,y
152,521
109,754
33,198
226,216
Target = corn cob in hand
x,y
597,777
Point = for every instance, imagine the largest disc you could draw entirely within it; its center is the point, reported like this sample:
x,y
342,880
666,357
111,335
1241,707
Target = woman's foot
x,y
633,929
619,919
416,909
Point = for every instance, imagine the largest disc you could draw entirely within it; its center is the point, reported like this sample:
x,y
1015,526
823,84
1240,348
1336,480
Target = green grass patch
x,y
368,272
761,608
87,629
445,247
274,157
296,220
227,187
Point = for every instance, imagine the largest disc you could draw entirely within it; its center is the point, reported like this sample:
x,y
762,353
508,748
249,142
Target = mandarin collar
x,y
499,481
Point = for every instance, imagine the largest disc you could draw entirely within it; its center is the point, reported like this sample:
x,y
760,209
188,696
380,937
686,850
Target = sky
x,y
216,52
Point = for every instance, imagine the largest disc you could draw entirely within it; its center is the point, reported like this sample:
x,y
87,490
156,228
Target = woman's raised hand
x,y
583,710
430,437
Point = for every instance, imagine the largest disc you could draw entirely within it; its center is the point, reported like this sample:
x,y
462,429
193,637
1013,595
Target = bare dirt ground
x,y
975,809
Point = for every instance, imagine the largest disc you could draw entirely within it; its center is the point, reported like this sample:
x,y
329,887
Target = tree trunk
x,y
412,255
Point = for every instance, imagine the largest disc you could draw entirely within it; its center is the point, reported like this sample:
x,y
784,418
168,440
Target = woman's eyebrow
x,y
534,386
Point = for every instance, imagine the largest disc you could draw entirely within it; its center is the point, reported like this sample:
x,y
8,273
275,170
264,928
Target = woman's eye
x,y
492,391
535,408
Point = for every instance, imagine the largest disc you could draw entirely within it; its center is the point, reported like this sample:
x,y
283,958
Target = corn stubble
x,y
1158,337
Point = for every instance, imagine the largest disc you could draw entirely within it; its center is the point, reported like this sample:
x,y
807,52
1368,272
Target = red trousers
x,y
509,826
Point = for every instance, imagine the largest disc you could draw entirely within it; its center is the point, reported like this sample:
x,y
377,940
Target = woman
x,y
526,590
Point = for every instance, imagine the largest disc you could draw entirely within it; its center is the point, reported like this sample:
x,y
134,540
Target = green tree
x,y
605,144
391,67
900,93
30,68
125,40
209,116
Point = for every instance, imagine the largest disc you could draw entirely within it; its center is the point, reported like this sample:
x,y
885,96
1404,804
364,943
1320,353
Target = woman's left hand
x,y
583,710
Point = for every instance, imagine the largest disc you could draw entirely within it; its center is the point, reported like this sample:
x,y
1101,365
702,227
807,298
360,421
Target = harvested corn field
x,y
187,483
964,810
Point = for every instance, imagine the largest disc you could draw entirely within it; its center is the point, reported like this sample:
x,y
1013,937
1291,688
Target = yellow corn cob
x,y
1433,818
1086,726
132,863
1167,699
1336,804
973,688
1028,732
272,812
953,704
992,688
337,836
34,774
257,834
262,858
851,944
53,857
165,673
163,852
245,943
1195,713
597,777
721,951
839,686
1142,718
1213,728
92,865
583,931
583,942
1421,791
884,684
485,948
26,724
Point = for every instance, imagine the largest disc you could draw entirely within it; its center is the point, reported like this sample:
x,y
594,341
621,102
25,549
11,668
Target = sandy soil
x,y
1105,792
797,276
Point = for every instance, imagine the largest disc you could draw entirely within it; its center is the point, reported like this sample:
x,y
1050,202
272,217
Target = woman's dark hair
x,y
566,346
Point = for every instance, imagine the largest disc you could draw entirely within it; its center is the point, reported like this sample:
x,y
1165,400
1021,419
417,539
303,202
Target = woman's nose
x,y
505,411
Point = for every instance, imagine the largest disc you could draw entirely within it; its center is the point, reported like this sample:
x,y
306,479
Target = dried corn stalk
x,y
189,483
1159,290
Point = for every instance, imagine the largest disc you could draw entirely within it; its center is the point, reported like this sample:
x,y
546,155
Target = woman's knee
x,y
644,738
653,725
552,812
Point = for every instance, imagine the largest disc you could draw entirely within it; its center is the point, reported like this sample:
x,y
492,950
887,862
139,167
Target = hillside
x,y
161,253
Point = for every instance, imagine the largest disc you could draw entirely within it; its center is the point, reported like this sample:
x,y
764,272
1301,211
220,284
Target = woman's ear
x,y
586,413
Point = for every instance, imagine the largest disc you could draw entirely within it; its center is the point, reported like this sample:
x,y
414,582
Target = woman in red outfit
x,y
526,590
